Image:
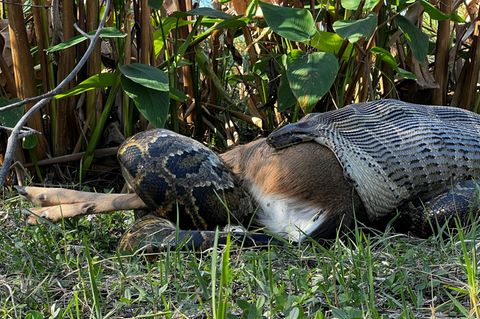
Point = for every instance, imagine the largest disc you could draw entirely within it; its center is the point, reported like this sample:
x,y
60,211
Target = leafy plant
x,y
212,74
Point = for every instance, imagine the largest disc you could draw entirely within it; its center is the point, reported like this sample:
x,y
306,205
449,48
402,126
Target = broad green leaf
x,y
457,18
293,24
353,4
33,314
385,56
177,95
433,12
100,80
10,118
388,58
310,76
146,75
347,312
168,25
416,39
234,79
209,12
406,74
330,42
148,88
354,30
155,4
286,99
236,22
153,104
29,142
108,32
262,68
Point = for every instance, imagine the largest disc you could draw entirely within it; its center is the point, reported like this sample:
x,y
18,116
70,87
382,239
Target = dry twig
x,y
45,98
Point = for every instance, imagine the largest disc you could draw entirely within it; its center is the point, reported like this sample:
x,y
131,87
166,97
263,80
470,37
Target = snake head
x,y
173,174
291,134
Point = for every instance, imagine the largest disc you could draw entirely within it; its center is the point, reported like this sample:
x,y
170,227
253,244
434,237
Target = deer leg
x,y
58,203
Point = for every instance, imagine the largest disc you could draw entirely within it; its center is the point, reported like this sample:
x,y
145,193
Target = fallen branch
x,y
103,152
24,132
45,98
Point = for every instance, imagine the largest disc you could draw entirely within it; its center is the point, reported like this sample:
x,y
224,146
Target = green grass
x,y
71,270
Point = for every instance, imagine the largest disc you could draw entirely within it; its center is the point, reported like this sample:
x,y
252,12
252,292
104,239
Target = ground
x,y
72,270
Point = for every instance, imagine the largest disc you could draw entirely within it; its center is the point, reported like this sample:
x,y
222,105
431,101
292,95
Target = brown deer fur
x,y
307,172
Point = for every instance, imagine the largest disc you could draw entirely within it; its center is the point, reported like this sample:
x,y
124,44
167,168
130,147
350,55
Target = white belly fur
x,y
288,217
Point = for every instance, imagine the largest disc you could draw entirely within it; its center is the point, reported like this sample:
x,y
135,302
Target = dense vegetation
x,y
224,75
71,270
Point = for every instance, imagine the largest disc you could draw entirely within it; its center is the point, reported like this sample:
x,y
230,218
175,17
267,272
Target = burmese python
x,y
412,158
179,179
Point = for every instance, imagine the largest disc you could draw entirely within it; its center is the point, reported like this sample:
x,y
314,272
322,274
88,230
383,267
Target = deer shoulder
x,y
301,190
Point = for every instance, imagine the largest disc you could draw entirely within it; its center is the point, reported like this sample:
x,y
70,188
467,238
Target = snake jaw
x,y
178,176
289,135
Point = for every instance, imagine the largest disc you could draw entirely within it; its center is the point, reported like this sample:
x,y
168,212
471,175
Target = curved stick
x,y
13,138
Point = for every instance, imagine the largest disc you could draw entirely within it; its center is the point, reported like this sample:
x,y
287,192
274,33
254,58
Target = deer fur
x,y
307,176
307,173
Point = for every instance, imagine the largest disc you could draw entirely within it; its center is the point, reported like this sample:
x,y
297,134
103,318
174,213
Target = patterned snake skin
x,y
168,170
460,204
151,234
180,179
394,151
414,160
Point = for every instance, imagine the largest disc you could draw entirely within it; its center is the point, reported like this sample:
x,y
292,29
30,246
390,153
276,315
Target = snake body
x,y
175,175
396,156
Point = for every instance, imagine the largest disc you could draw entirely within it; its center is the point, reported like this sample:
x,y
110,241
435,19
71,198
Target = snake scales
x,y
396,156
180,179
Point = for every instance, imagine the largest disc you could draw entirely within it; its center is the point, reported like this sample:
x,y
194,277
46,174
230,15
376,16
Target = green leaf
x,y
146,75
33,314
433,12
385,56
234,23
330,42
101,80
251,9
354,30
286,99
29,142
310,76
353,4
457,18
168,24
153,104
109,32
406,74
155,4
10,117
293,24
416,39
347,313
209,12
177,95
388,58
